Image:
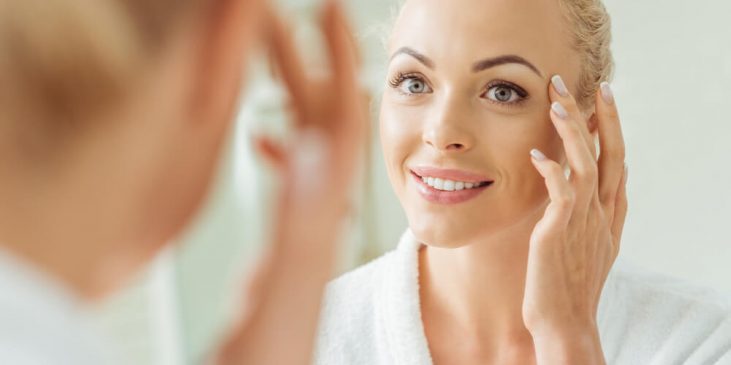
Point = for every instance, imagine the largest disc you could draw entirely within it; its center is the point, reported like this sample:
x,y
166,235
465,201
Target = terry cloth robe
x,y
372,316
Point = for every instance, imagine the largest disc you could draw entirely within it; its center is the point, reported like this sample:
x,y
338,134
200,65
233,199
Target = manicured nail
x,y
626,174
537,155
607,93
559,110
559,86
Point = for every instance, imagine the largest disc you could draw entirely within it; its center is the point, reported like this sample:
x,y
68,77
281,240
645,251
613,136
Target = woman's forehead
x,y
467,30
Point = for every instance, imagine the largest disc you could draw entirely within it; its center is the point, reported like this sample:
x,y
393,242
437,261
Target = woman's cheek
x,y
521,134
399,140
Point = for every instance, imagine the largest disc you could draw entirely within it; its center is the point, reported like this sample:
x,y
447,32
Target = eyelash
x,y
522,94
399,78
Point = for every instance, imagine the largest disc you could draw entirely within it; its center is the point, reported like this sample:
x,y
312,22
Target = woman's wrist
x,y
568,345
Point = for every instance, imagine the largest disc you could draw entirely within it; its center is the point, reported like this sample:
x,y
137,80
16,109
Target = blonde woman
x,y
113,117
506,259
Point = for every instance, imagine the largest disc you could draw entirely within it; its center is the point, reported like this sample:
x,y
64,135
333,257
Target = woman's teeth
x,y
449,185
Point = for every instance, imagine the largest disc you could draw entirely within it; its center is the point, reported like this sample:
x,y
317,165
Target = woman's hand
x,y
576,242
317,171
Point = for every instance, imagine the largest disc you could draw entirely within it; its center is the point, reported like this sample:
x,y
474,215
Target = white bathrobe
x,y
372,316
42,322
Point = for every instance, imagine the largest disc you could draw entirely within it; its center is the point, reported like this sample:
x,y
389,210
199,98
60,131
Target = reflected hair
x,y
61,61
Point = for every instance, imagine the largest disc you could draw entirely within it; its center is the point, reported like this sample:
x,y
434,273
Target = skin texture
x,y
116,193
513,275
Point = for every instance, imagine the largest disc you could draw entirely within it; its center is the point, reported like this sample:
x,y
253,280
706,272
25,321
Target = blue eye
x,y
502,94
410,84
414,86
505,93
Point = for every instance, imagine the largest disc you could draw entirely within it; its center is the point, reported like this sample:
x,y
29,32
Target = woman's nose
x,y
448,133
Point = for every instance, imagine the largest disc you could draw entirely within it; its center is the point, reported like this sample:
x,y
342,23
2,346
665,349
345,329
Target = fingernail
x,y
626,174
607,93
559,86
559,110
537,155
309,157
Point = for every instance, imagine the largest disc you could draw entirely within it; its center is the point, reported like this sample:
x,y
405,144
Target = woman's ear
x,y
592,123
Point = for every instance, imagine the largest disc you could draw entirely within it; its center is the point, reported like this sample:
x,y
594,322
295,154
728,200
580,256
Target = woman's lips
x,y
457,181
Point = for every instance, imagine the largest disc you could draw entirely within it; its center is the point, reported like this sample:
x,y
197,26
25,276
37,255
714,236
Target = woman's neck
x,y
475,292
60,224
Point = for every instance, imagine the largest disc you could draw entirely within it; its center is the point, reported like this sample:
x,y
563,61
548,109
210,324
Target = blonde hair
x,y
590,25
61,60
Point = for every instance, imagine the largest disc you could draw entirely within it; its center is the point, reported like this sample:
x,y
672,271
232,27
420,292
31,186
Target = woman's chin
x,y
443,232
443,236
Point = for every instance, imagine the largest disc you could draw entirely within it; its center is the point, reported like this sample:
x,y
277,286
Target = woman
x,y
113,117
507,260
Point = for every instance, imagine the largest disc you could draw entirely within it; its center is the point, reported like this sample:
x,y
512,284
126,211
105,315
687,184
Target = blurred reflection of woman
x,y
113,117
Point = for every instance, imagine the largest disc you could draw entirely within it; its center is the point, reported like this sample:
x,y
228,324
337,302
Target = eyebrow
x,y
501,60
477,66
413,53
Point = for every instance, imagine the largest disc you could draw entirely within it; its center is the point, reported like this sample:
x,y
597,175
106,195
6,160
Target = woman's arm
x,y
576,242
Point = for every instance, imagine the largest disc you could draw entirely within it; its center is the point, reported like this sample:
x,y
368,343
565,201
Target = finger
x,y
612,149
342,22
286,59
348,122
569,123
620,210
558,212
583,166
341,55
559,92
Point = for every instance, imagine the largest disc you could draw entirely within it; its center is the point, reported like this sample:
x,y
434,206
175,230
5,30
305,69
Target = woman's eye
x,y
503,94
414,86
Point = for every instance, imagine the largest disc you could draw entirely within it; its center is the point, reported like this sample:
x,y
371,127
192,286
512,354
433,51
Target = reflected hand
x,y
317,172
574,245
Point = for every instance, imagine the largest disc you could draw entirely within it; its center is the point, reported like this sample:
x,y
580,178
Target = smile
x,y
448,186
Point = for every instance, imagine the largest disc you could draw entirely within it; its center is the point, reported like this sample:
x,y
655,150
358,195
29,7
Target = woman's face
x,y
466,101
